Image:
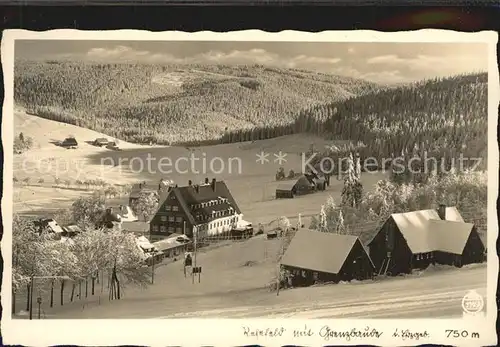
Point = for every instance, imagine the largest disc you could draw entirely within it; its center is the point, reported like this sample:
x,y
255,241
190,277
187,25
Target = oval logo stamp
x,y
472,302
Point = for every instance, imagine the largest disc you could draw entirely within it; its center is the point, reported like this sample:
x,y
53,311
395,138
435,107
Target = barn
x,y
285,190
414,240
314,256
304,184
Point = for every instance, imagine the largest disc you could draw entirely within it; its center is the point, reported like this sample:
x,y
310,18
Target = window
x,y
175,208
178,230
168,208
163,229
171,219
172,197
171,229
178,219
163,218
155,228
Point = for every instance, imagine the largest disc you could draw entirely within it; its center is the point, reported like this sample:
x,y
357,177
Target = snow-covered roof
x,y
128,215
171,242
144,243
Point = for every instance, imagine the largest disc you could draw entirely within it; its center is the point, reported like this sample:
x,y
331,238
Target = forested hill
x,y
169,104
447,115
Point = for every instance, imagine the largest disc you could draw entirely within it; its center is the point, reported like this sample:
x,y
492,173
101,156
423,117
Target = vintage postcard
x,y
333,188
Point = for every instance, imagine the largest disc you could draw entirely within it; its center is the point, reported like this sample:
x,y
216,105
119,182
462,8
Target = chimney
x,y
442,211
190,183
213,184
206,180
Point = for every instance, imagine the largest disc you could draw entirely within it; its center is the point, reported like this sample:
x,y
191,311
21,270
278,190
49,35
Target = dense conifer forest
x,y
172,104
441,118
209,104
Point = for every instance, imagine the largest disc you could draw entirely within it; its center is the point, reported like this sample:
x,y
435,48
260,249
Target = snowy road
x,y
431,295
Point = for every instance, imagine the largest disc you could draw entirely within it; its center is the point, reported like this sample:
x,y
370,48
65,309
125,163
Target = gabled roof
x,y
413,226
318,251
171,242
305,181
424,231
50,224
452,214
144,243
125,212
288,185
187,196
449,236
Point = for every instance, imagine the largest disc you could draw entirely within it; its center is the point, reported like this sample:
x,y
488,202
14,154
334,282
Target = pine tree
x,y
353,189
322,223
358,167
299,221
341,229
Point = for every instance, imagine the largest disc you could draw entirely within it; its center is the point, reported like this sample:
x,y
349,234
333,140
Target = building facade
x,y
203,209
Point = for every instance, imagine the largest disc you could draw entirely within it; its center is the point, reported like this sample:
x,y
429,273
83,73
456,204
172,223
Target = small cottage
x,y
69,142
314,256
50,225
285,190
101,141
304,184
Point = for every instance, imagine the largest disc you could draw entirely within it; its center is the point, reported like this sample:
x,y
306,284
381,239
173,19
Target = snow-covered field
x,y
229,289
253,186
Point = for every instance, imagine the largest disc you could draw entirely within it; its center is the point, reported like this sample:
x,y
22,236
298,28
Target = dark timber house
x,y
207,209
285,190
304,184
314,256
414,240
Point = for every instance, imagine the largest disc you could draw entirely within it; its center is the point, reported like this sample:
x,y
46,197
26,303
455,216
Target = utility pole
x,y
278,276
39,302
153,268
31,296
39,299
195,236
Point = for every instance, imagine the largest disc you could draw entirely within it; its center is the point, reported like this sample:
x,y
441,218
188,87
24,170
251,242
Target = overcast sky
x,y
378,62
